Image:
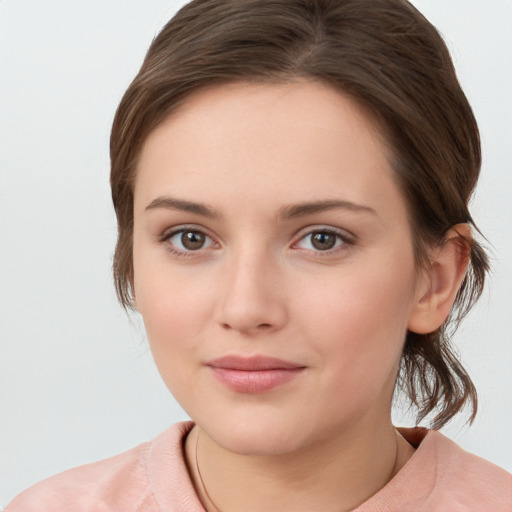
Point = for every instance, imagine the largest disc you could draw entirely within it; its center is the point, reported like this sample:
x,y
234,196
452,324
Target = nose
x,y
252,298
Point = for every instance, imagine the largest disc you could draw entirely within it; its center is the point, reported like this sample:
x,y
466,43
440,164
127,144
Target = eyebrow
x,y
303,209
172,203
286,212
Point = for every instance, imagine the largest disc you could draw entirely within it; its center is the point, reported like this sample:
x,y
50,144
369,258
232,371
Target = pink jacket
x,y
440,477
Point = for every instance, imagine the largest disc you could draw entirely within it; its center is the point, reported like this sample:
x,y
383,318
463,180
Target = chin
x,y
259,437
251,442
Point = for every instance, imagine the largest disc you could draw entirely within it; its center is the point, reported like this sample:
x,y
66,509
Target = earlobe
x,y
448,264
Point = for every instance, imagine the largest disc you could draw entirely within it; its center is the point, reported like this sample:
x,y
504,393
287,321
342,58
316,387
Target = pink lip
x,y
253,374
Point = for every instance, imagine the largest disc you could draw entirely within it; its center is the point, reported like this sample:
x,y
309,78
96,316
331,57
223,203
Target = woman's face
x,y
273,264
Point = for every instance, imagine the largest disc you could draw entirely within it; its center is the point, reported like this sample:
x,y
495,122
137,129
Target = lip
x,y
255,374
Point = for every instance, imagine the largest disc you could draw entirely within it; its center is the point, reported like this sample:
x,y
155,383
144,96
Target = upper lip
x,y
253,363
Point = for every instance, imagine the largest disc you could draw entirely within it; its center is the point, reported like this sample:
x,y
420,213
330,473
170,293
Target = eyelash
x,y
345,238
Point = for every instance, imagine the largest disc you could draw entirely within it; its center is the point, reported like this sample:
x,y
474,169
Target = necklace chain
x,y
201,481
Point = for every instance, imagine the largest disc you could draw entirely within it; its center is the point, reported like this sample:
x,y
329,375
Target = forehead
x,y
252,107
294,138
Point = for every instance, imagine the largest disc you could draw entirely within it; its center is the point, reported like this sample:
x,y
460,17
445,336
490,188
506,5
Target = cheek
x,y
175,312
358,320
175,308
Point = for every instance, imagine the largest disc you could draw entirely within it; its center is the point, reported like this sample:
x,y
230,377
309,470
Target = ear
x,y
440,283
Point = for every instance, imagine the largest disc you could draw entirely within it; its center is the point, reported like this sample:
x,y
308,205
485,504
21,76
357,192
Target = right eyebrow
x,y
171,203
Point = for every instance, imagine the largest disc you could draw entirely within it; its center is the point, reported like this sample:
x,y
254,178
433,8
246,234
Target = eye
x,y
188,240
323,240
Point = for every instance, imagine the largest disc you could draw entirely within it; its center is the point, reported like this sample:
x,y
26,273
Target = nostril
x,y
263,327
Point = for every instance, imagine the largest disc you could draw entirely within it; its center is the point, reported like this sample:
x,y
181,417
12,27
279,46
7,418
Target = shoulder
x,y
115,483
470,479
119,483
442,477
446,475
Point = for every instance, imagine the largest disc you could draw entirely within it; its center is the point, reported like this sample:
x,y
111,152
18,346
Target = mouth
x,y
255,374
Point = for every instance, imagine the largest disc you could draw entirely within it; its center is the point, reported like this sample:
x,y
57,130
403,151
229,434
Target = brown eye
x,y
187,240
323,240
192,240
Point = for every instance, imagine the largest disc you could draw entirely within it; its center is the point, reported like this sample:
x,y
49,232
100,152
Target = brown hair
x,y
390,60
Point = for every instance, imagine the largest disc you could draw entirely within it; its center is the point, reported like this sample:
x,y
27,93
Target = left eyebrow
x,y
303,209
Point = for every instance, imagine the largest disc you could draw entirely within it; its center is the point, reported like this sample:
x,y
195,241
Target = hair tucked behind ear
x,y
430,373
389,59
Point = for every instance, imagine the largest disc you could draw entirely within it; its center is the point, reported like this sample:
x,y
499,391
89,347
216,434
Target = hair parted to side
x,y
392,62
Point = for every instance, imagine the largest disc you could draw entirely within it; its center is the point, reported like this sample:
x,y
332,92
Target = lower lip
x,y
255,381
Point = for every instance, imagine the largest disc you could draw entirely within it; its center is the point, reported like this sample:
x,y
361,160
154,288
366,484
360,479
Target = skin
x,y
258,286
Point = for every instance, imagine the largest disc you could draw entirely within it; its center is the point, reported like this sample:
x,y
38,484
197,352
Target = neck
x,y
335,475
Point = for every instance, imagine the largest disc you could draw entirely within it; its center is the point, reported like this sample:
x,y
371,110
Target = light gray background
x,y
76,379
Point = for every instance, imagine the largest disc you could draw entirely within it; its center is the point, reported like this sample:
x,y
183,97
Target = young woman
x,y
291,181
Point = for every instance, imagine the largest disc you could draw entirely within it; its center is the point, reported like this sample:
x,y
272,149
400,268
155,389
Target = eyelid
x,y
314,228
169,232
